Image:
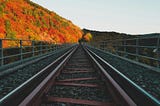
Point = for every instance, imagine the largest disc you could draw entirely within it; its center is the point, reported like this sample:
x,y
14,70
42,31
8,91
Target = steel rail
x,y
34,96
18,94
138,95
40,89
39,93
124,96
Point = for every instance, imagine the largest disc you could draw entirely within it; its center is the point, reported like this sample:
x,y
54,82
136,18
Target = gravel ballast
x,y
13,80
147,79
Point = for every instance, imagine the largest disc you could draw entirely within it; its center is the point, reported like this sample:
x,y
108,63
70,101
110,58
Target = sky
x,y
125,16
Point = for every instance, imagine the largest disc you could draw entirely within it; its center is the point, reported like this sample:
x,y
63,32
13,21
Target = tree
x,y
87,37
9,33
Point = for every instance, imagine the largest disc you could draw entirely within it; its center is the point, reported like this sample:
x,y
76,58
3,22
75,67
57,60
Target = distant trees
x,y
86,37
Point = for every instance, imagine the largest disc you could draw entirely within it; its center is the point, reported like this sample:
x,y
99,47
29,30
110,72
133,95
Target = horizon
x,y
122,32
124,16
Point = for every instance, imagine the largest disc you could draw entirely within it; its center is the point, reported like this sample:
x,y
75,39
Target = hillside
x,y
23,19
98,36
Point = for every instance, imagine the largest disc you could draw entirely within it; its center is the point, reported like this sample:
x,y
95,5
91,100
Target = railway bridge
x,y
34,73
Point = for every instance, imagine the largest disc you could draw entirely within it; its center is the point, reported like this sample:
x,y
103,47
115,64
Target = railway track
x,y
75,79
10,79
78,83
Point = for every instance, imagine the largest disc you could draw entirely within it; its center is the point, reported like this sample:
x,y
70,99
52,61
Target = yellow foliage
x,y
88,36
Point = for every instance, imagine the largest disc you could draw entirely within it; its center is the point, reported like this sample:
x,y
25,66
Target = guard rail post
x,y
137,49
50,47
124,46
158,52
46,47
21,52
41,47
116,47
1,52
33,51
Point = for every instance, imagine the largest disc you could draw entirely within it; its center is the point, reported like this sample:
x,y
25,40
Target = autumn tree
x,y
87,37
23,19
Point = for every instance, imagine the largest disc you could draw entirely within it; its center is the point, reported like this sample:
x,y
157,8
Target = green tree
x,y
7,25
65,24
1,10
2,6
44,23
37,23
51,24
41,13
9,33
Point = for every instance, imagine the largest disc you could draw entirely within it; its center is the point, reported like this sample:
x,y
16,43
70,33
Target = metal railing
x,y
141,49
19,50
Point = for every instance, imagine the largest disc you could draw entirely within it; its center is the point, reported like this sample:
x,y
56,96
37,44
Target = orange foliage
x,y
27,20
2,30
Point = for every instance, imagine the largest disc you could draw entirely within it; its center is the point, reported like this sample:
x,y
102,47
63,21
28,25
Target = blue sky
x,y
127,16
